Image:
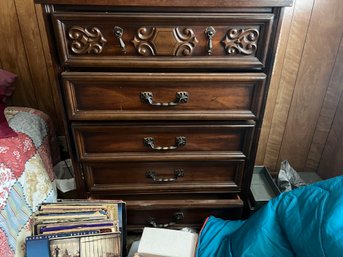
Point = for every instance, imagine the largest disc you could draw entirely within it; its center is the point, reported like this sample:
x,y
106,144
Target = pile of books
x,y
78,228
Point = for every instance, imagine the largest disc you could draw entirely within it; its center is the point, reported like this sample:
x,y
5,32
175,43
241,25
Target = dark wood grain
x,y
131,178
175,3
50,70
13,55
108,96
30,92
324,124
116,142
331,161
33,49
275,85
157,40
291,63
193,216
23,53
314,74
122,68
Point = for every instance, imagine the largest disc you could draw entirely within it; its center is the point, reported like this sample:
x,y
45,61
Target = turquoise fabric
x,y
305,222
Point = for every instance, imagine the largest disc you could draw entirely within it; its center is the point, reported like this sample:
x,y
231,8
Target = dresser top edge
x,y
175,3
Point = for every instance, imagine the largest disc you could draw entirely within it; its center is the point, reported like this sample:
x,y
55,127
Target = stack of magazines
x,y
78,228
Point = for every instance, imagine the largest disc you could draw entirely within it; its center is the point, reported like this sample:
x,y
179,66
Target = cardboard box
x,y
263,188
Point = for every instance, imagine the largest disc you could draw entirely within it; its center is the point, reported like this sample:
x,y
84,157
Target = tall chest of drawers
x,y
163,101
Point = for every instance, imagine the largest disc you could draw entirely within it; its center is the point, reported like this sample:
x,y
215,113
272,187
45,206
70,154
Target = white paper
x,y
65,181
161,242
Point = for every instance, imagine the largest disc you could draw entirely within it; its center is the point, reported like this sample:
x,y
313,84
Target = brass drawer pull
x,y
118,33
181,97
179,142
177,217
210,32
178,173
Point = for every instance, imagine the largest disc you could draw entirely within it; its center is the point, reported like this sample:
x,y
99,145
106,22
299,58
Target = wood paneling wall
x,y
304,113
24,51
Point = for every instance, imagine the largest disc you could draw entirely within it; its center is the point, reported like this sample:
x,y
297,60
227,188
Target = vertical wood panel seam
x,y
295,83
278,84
288,49
45,62
58,120
328,150
21,36
323,100
337,107
41,41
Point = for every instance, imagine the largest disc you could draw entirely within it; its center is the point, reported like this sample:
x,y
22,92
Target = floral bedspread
x,y
26,175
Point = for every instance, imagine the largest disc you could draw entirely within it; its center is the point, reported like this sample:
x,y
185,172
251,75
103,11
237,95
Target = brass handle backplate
x,y
178,173
179,142
210,32
181,97
118,33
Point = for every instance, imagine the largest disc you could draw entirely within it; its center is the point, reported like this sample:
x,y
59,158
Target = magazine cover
x,y
78,228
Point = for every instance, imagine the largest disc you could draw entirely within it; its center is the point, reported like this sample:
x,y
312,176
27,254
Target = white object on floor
x,y
133,249
161,242
65,180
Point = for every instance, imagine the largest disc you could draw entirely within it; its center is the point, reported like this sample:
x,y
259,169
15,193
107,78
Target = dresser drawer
x,y
163,40
122,178
131,96
162,141
180,213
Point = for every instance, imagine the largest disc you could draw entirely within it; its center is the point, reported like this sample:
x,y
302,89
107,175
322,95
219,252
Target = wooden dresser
x,y
163,101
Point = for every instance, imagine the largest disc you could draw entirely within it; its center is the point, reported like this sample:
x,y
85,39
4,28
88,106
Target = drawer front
x,y
162,141
181,213
122,178
152,40
105,96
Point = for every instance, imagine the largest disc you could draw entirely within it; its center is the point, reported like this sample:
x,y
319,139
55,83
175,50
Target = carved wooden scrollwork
x,y
86,41
241,41
151,41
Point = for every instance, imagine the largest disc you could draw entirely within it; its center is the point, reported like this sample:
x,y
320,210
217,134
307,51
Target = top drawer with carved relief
x,y
167,40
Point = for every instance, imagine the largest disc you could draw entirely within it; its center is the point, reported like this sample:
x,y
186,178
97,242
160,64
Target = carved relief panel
x,y
85,40
241,41
123,40
165,41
